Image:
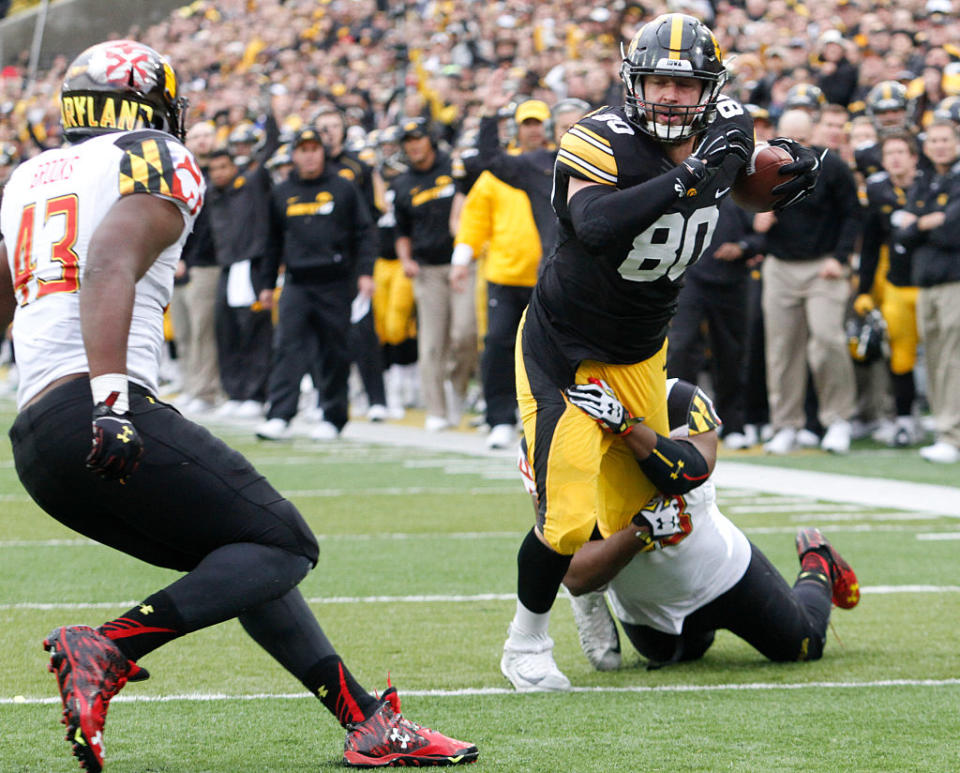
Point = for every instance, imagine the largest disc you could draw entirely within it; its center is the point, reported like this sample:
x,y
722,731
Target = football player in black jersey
x,y
887,106
884,278
636,189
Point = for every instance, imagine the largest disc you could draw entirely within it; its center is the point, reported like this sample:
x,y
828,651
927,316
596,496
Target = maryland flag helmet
x,y
675,45
120,85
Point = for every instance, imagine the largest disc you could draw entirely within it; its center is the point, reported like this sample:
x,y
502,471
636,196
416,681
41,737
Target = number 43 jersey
x,y
615,307
52,206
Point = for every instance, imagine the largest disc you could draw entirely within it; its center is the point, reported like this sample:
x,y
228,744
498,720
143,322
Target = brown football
x,y
753,187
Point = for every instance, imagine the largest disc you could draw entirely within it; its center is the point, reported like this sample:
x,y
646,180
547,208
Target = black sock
x,y
331,681
539,574
904,392
145,627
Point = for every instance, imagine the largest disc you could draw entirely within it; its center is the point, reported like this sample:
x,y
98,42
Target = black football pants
x,y
312,329
723,308
505,305
783,623
194,504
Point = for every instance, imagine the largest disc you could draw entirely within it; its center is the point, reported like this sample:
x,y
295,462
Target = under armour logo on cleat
x,y
403,738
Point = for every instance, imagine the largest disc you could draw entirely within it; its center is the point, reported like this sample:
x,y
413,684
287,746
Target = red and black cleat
x,y
385,739
846,589
90,670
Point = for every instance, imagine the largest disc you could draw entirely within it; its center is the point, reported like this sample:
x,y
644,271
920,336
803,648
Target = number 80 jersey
x,y
52,206
616,307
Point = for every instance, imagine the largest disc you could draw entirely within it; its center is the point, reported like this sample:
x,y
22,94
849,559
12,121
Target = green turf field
x,y
417,572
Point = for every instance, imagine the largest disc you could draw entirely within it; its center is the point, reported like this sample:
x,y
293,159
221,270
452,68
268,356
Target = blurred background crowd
x,y
395,91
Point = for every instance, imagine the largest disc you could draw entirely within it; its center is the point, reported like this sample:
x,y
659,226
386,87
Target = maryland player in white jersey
x,y
92,234
52,206
672,593
635,191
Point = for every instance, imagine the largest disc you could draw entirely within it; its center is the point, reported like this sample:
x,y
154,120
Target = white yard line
x,y
429,598
824,522
129,697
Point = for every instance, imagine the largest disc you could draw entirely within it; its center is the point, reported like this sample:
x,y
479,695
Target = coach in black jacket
x,y
237,202
322,231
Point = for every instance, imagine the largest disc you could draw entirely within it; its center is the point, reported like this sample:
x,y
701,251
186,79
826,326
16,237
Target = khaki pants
x,y
938,312
803,319
202,373
446,335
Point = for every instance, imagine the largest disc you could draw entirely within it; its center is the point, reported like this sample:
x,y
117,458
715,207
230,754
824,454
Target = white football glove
x,y
598,401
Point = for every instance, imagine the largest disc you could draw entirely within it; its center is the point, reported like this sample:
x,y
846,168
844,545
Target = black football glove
x,y
599,402
720,142
117,446
717,144
806,167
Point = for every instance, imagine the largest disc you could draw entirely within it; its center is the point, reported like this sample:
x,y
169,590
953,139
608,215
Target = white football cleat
x,y
782,443
736,441
598,634
502,436
325,431
227,409
837,438
906,432
941,452
377,412
249,409
273,429
528,663
435,424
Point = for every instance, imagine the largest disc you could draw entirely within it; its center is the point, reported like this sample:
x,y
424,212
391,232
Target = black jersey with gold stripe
x,y
883,199
615,307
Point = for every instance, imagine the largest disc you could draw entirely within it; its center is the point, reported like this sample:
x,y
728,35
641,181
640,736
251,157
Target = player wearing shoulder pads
x,y
705,574
92,234
635,193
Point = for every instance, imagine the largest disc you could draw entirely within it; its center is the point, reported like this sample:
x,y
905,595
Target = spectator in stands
x,y
837,77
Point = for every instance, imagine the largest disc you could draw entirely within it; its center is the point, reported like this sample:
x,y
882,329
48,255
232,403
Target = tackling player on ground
x,y
92,234
680,570
636,189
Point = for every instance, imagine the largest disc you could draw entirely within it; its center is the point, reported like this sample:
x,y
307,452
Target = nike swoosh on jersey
x,y
721,192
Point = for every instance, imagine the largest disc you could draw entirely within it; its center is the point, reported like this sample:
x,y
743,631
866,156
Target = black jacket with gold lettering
x,y
883,199
320,229
422,207
615,307
934,254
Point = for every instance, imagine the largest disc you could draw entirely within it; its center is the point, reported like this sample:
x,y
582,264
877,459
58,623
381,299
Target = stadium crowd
x,y
842,76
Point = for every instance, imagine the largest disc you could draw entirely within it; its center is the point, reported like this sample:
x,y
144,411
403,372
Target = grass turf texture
x,y
400,523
